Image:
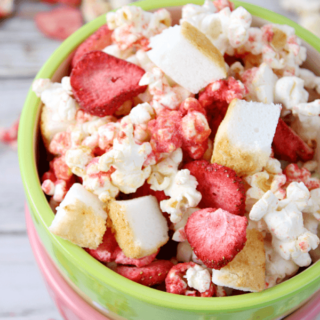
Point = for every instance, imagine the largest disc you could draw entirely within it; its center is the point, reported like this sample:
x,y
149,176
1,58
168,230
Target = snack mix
x,y
185,157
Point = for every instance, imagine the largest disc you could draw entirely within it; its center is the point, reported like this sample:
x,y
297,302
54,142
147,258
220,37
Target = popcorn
x,y
128,159
290,91
311,81
285,222
77,159
60,108
133,27
198,278
179,234
80,218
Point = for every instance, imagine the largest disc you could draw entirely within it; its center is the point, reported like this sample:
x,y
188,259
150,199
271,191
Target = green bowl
x,y
121,298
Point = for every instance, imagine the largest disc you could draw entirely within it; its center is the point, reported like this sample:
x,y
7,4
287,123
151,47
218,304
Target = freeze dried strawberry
x,y
150,275
287,145
166,132
220,186
295,174
145,190
59,23
106,252
216,236
177,284
97,41
216,98
142,262
102,83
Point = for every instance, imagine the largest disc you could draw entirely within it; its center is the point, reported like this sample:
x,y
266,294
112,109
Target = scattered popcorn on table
x,y
172,134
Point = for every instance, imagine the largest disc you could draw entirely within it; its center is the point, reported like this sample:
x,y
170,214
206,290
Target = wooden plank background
x,y
23,50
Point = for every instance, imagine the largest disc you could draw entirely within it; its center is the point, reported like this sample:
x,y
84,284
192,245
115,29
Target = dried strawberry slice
x,y
59,23
287,145
101,83
150,275
106,252
220,186
177,284
97,41
216,236
142,262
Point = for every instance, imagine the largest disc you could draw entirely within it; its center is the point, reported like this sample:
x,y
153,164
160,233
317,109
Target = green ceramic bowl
x,y
122,298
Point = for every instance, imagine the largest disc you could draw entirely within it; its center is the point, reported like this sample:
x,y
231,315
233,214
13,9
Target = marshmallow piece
x,y
247,270
80,218
140,227
244,137
198,278
187,56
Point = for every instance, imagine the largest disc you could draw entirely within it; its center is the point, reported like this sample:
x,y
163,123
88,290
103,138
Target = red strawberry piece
x,y
145,190
106,252
177,284
220,186
166,132
59,23
287,145
216,98
150,275
295,174
102,83
216,236
122,259
97,41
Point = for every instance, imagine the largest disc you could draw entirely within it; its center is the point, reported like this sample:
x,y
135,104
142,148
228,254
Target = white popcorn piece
x,y
311,81
183,195
254,43
99,182
127,158
244,137
115,51
141,114
298,194
187,56
277,268
80,218
141,59
59,109
184,252
179,234
261,88
198,278
132,25
141,229
290,91
78,158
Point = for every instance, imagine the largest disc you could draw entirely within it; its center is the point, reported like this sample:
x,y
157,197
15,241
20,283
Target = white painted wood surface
x,y
23,50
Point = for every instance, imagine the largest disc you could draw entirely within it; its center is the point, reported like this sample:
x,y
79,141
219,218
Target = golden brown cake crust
x,y
249,266
226,154
203,44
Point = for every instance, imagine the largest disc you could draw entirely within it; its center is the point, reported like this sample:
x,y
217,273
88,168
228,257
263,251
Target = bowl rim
x,y
42,211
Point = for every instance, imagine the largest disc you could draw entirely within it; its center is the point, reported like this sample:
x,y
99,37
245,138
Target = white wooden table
x,y
23,50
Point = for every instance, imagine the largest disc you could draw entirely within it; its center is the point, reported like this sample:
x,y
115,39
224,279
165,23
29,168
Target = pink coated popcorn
x,y
60,168
191,104
166,132
296,174
221,4
10,136
60,143
176,283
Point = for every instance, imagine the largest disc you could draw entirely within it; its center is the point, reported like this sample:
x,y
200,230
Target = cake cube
x,y
187,56
140,228
247,270
244,137
80,218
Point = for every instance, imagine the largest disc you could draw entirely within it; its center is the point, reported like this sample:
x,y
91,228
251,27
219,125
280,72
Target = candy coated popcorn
x,y
128,159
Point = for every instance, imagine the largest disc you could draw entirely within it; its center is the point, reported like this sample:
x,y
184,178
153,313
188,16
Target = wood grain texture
x,y
23,50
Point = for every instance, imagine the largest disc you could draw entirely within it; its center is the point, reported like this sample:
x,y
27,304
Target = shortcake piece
x,y
80,218
243,140
186,55
247,270
140,227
